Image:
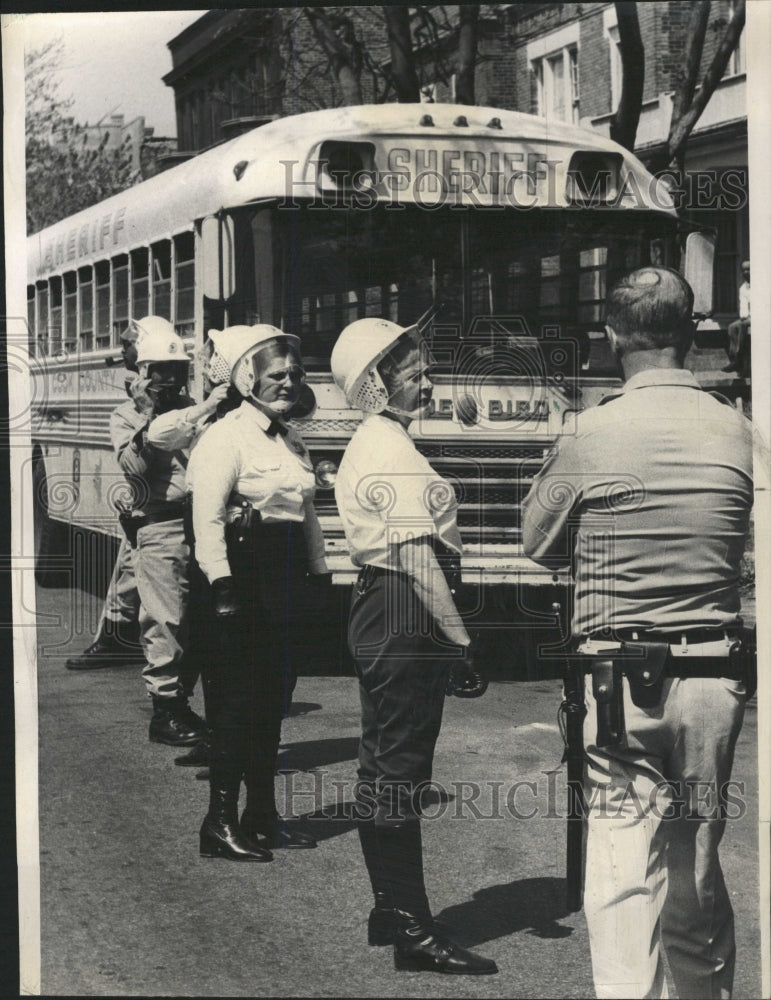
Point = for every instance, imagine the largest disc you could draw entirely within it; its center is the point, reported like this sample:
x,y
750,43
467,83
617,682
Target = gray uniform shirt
x,y
649,500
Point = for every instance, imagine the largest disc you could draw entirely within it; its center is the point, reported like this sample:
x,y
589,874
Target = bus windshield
x,y
490,274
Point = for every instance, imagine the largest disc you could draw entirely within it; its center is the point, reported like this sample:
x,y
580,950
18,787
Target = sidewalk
x,y
128,907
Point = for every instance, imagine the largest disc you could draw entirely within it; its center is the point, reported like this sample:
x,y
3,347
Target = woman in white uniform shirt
x,y
404,631
257,575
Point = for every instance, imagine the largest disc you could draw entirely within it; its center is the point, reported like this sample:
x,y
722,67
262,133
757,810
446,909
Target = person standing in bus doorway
x,y
118,628
739,330
404,632
257,537
650,500
162,553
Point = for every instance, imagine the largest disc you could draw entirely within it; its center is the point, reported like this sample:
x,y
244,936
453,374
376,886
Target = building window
x,y
610,31
736,63
558,86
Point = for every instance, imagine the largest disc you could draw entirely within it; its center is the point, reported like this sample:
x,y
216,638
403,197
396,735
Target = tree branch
x,y
679,131
467,53
695,33
341,57
403,73
623,124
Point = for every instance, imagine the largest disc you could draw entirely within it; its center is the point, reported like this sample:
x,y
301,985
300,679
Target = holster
x,y
608,691
743,657
243,531
131,521
643,663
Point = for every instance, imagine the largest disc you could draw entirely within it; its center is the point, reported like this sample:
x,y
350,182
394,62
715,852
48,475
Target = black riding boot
x,y
381,926
419,945
221,836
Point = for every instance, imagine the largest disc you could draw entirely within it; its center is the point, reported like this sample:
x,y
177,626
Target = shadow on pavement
x,y
308,755
532,904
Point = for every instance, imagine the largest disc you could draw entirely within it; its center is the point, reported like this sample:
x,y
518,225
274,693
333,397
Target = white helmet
x,y
215,364
157,340
355,357
237,345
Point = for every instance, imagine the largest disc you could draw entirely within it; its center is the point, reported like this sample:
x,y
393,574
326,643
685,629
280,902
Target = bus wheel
x,y
51,537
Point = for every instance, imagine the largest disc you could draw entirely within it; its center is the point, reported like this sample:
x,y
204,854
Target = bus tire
x,y
51,537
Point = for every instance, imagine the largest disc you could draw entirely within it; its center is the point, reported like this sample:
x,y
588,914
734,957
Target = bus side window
x,y
86,308
120,296
140,283
55,339
42,317
184,283
162,279
591,285
32,345
103,325
70,311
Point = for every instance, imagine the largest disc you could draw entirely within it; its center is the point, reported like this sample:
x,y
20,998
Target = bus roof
x,y
414,153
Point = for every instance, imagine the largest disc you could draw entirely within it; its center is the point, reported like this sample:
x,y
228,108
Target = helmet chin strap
x,y
399,412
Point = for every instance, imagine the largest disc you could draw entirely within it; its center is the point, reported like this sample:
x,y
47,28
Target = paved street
x,y
128,907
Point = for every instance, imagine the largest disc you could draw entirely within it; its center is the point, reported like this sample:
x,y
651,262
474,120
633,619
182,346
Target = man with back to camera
x,y
651,498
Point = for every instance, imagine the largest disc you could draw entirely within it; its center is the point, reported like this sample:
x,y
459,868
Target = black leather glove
x,y
466,680
224,596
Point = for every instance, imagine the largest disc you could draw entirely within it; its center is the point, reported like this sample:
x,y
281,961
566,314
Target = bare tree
x,y
688,102
467,54
403,74
68,166
336,37
688,105
623,124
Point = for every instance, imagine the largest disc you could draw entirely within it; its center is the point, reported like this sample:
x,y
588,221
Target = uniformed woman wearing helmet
x,y
404,631
256,538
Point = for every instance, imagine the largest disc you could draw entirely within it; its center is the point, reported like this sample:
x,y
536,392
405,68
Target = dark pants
x,y
402,671
250,678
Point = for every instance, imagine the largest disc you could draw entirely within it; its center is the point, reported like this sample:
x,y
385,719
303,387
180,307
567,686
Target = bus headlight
x,y
326,474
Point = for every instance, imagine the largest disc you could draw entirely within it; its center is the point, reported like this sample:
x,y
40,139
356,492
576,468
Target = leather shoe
x,y
277,833
382,923
106,651
225,840
197,756
175,723
419,947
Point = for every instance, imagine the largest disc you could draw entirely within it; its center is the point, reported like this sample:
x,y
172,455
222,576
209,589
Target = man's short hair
x,y
651,308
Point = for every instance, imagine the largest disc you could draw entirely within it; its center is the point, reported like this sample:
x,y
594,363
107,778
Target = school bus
x,y
503,230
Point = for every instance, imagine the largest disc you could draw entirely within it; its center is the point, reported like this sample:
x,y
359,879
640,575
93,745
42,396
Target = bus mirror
x,y
217,245
698,271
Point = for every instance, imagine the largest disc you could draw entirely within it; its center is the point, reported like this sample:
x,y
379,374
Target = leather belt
x,y
168,512
687,637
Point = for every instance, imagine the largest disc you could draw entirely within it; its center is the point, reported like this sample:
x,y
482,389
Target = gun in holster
x,y
642,663
243,530
131,520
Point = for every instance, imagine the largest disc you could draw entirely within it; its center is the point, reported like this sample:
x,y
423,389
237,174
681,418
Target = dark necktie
x,y
276,427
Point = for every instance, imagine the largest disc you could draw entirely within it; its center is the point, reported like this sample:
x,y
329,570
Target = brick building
x,y
233,69
136,139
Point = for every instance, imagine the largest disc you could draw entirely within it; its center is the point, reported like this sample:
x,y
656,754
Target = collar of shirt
x,y
262,419
388,425
662,376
